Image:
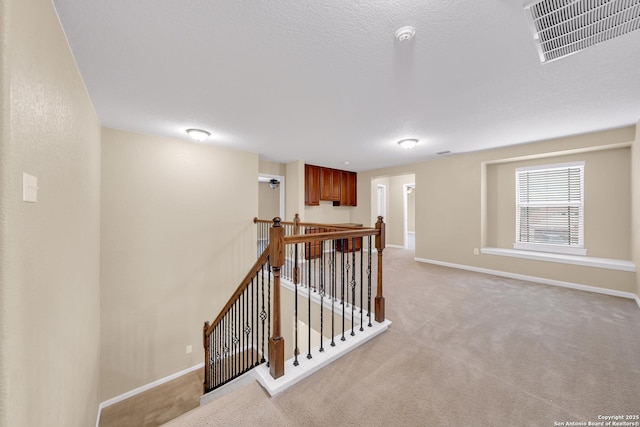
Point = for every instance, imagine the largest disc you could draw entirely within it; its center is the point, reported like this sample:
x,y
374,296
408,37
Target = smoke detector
x,y
405,34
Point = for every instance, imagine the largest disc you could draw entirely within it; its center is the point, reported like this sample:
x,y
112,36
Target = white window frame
x,y
545,247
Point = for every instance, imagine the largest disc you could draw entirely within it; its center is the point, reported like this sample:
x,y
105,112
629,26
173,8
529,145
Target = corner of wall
x,y
294,197
3,135
635,205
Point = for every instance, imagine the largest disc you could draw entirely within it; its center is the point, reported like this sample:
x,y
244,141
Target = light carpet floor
x,y
465,349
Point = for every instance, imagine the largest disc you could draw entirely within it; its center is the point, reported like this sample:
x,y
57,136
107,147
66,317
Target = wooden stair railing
x,y
322,261
234,341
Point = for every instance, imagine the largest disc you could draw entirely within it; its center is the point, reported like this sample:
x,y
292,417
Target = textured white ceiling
x,y
325,81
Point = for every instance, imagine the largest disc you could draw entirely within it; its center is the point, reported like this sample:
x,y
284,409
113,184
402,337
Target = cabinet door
x,y
311,185
349,189
330,184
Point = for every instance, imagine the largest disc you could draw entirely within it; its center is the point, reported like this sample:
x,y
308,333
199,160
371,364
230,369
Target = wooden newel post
x,y
207,366
276,258
380,242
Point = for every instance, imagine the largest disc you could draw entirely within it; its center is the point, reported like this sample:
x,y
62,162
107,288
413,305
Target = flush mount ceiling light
x,y
408,143
405,34
198,134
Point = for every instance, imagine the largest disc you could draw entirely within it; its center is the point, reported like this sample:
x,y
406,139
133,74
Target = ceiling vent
x,y
563,27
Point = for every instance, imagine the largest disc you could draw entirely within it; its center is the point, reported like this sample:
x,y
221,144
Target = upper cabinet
x,y
337,186
330,184
311,185
348,189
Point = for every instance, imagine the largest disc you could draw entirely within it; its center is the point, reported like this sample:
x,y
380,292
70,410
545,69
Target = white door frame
x,y
405,213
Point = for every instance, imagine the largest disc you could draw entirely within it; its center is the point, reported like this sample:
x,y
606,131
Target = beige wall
x,y
49,250
635,204
450,199
176,241
326,213
450,219
272,168
294,190
411,211
607,209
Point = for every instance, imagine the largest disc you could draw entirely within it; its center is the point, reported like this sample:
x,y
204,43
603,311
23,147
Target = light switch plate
x,y
29,188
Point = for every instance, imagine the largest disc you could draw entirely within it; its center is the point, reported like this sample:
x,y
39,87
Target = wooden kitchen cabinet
x,y
334,185
311,185
348,189
330,184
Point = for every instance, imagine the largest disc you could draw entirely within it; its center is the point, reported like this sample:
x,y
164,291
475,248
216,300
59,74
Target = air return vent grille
x,y
564,27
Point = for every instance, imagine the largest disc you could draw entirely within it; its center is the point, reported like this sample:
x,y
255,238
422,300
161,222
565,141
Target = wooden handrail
x,y
241,288
329,235
257,220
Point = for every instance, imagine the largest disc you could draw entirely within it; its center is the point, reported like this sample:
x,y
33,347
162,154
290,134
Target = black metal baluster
x,y
238,335
214,357
229,344
342,288
296,350
247,327
243,336
223,371
268,307
229,333
348,270
219,352
369,282
263,317
361,284
332,274
253,325
257,329
353,286
321,287
309,311
234,371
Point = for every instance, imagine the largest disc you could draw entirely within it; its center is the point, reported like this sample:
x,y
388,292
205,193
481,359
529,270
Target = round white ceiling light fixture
x,y
408,143
198,134
405,34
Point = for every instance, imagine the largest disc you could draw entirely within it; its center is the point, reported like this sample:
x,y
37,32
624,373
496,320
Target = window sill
x,y
587,261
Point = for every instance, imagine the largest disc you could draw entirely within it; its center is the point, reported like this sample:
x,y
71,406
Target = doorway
x,y
270,196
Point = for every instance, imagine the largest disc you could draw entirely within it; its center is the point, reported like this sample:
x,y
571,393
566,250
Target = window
x,y
550,208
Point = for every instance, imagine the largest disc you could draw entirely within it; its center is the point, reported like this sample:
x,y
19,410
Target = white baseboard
x,y
542,280
394,246
144,388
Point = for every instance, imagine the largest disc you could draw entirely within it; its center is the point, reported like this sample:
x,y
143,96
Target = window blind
x,y
550,205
